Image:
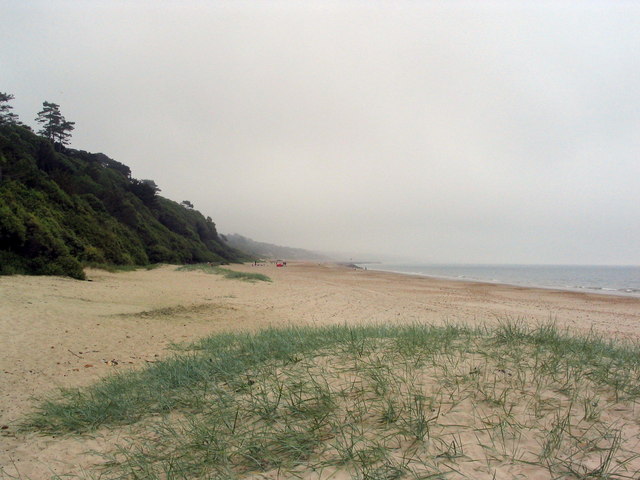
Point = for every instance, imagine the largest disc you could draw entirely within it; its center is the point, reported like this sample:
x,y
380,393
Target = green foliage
x,y
231,274
54,126
6,115
59,210
145,190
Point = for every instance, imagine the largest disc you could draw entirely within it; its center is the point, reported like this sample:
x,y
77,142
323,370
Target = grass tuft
x,y
230,274
369,402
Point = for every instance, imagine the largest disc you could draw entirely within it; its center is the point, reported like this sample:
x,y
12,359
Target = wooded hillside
x,y
61,208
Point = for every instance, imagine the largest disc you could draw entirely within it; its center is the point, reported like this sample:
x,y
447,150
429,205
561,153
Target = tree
x,y
54,126
6,115
145,190
151,184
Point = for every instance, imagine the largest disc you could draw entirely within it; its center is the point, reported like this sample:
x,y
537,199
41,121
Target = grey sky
x,y
504,132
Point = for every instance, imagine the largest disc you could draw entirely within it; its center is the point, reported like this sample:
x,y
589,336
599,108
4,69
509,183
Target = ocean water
x,y
613,280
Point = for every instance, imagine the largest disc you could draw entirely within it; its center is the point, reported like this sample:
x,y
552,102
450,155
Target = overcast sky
x,y
478,132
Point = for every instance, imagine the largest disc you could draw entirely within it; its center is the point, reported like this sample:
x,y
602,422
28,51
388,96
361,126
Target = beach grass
x,y
227,273
369,402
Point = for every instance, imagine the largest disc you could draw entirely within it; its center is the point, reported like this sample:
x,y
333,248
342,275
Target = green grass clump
x,y
370,402
231,274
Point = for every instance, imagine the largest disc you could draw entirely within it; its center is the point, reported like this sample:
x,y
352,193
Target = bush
x,y
65,266
12,264
93,254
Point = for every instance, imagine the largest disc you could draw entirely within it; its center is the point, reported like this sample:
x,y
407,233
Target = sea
x,y
611,280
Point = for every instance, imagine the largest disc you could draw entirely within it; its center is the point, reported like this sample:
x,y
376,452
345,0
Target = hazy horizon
x,y
441,132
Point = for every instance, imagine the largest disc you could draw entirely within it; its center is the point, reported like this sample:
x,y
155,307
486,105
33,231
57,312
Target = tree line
x,y
53,124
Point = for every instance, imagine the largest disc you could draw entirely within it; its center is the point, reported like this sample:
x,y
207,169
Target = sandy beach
x,y
58,332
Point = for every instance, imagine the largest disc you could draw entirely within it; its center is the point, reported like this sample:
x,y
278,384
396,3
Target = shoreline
x,y
68,333
630,293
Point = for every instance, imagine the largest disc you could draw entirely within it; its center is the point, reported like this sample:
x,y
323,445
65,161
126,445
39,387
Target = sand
x,y
58,332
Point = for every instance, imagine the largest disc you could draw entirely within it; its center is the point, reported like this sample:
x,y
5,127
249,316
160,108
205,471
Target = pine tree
x,y
54,126
6,115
